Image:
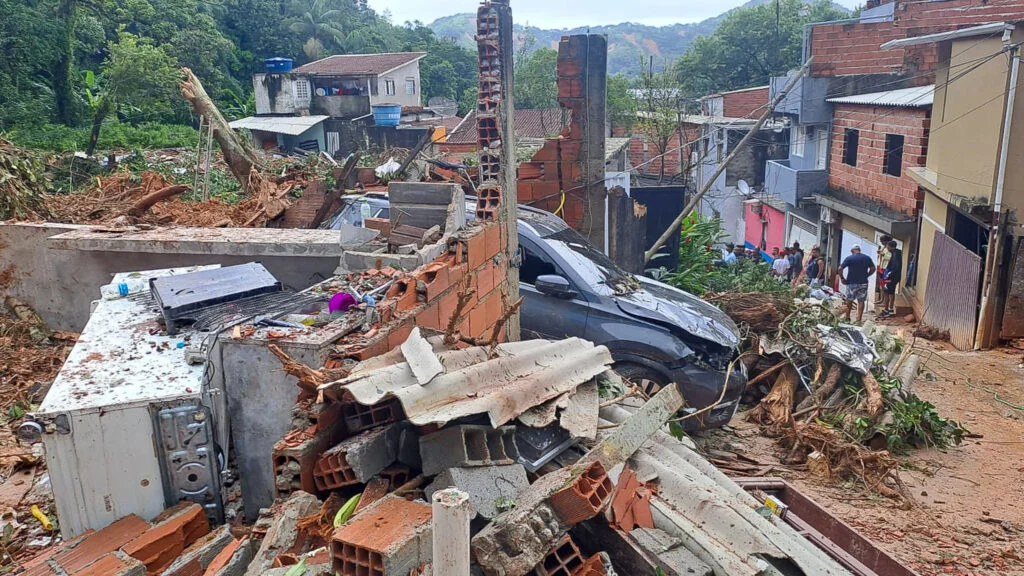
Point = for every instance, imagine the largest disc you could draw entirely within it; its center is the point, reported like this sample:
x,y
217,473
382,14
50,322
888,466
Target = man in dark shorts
x,y
858,267
891,277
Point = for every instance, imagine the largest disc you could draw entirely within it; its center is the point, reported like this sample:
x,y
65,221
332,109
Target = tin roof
x,y
919,97
360,64
290,125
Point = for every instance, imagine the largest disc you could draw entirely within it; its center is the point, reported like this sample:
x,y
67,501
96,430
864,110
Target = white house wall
x,y
399,76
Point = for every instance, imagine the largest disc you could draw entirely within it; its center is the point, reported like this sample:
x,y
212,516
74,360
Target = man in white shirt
x,y
780,264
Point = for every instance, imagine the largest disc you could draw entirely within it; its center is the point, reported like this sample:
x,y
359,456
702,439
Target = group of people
x,y
792,265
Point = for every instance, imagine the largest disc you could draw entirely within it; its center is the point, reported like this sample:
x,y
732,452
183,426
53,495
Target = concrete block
x,y
359,418
487,486
409,447
391,538
467,445
357,459
233,560
283,533
201,553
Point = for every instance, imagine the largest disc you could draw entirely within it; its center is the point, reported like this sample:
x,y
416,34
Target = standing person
x,y
893,275
858,268
730,256
780,265
796,262
882,260
815,269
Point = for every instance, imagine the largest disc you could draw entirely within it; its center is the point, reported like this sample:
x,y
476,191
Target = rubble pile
x,y
838,397
22,183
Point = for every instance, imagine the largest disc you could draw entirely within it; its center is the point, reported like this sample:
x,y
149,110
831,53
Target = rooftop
x,y
919,97
290,125
360,64
535,123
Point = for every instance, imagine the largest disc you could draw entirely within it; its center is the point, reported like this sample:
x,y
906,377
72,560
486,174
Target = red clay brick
x,y
531,170
564,559
117,564
382,225
594,566
178,528
362,547
485,278
631,503
585,497
101,543
476,248
492,240
221,559
398,335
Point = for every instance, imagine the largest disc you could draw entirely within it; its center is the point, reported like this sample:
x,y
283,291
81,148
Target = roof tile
x,y
352,64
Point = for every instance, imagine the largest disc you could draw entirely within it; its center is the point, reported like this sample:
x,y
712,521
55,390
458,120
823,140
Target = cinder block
x,y
585,497
396,475
357,459
359,417
467,445
487,486
564,559
175,529
295,456
391,538
409,447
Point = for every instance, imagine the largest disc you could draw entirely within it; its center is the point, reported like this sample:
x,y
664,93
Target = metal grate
x,y
951,298
220,315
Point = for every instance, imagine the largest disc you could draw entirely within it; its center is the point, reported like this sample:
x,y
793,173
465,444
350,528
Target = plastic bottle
x,y
364,211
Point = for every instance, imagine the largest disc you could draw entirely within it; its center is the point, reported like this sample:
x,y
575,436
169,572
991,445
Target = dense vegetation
x,y
110,63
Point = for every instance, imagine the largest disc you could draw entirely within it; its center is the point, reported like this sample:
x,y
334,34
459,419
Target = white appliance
x,y
124,424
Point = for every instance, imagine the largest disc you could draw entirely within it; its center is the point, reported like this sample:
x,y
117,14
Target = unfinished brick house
x,y
860,119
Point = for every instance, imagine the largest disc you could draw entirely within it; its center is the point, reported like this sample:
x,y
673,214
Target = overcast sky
x,y
572,13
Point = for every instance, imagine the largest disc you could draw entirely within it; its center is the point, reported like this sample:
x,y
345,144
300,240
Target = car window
x,y
534,265
596,269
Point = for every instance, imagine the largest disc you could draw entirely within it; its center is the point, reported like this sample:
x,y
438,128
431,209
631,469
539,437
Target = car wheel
x,y
650,381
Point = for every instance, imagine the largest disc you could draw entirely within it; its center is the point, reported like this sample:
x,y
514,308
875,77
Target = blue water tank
x,y
278,65
387,114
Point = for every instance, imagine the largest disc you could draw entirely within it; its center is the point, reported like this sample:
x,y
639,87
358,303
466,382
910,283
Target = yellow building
x,y
973,184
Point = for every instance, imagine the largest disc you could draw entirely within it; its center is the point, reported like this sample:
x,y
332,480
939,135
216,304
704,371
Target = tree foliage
x,y
536,79
750,46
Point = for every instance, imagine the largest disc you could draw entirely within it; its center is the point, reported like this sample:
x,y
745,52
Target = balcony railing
x,y
793,185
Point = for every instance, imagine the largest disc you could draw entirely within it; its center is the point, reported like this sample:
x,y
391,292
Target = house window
x,y
850,143
893,164
389,87
799,139
301,90
410,86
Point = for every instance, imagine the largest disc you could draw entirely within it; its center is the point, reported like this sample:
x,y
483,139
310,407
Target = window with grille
x,y
410,86
301,89
389,87
893,164
850,143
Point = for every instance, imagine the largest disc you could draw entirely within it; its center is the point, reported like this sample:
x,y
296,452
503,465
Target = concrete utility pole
x,y
674,227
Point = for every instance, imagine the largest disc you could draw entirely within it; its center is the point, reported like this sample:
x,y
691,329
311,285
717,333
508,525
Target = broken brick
x,y
396,475
563,560
585,497
631,503
99,543
359,418
176,529
114,564
294,464
597,565
224,558
393,536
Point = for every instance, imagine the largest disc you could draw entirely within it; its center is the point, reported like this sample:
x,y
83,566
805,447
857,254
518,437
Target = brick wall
x,y
866,179
845,49
745,103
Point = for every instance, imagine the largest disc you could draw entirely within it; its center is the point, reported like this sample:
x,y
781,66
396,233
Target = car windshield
x,y
596,269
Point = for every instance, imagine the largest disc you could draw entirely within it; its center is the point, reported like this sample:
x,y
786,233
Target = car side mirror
x,y
554,285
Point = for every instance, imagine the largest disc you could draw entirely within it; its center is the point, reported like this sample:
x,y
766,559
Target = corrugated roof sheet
x,y
919,97
613,146
522,375
290,125
529,123
359,64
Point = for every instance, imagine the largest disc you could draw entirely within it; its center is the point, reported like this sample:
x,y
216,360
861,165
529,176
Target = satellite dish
x,y
443,106
744,187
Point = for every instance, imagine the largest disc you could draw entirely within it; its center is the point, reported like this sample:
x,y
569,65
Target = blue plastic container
x,y
387,114
278,65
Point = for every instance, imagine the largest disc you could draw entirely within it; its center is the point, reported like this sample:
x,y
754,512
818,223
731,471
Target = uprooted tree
x,y
242,160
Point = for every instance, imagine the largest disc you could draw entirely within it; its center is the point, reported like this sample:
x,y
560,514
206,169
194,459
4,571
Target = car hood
x,y
661,303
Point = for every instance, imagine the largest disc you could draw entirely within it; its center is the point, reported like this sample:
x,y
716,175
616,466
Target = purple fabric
x,y
341,302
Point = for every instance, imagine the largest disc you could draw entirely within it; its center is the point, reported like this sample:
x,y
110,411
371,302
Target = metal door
x,y
951,298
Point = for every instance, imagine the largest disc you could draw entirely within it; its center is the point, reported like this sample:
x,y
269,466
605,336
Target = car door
x,y
544,316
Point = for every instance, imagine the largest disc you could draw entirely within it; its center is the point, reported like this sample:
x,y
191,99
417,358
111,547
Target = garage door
x,y
804,232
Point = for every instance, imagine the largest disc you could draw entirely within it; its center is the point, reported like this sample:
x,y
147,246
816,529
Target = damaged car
x,y
656,333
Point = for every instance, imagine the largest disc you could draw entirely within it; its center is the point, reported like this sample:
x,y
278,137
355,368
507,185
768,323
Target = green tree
x,y
135,72
621,104
319,23
750,46
658,100
536,84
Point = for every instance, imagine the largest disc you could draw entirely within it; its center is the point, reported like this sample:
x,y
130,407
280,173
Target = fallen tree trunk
x,y
148,201
776,409
239,155
875,401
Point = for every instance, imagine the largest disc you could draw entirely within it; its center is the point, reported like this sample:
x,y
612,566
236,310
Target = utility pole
x,y
674,227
